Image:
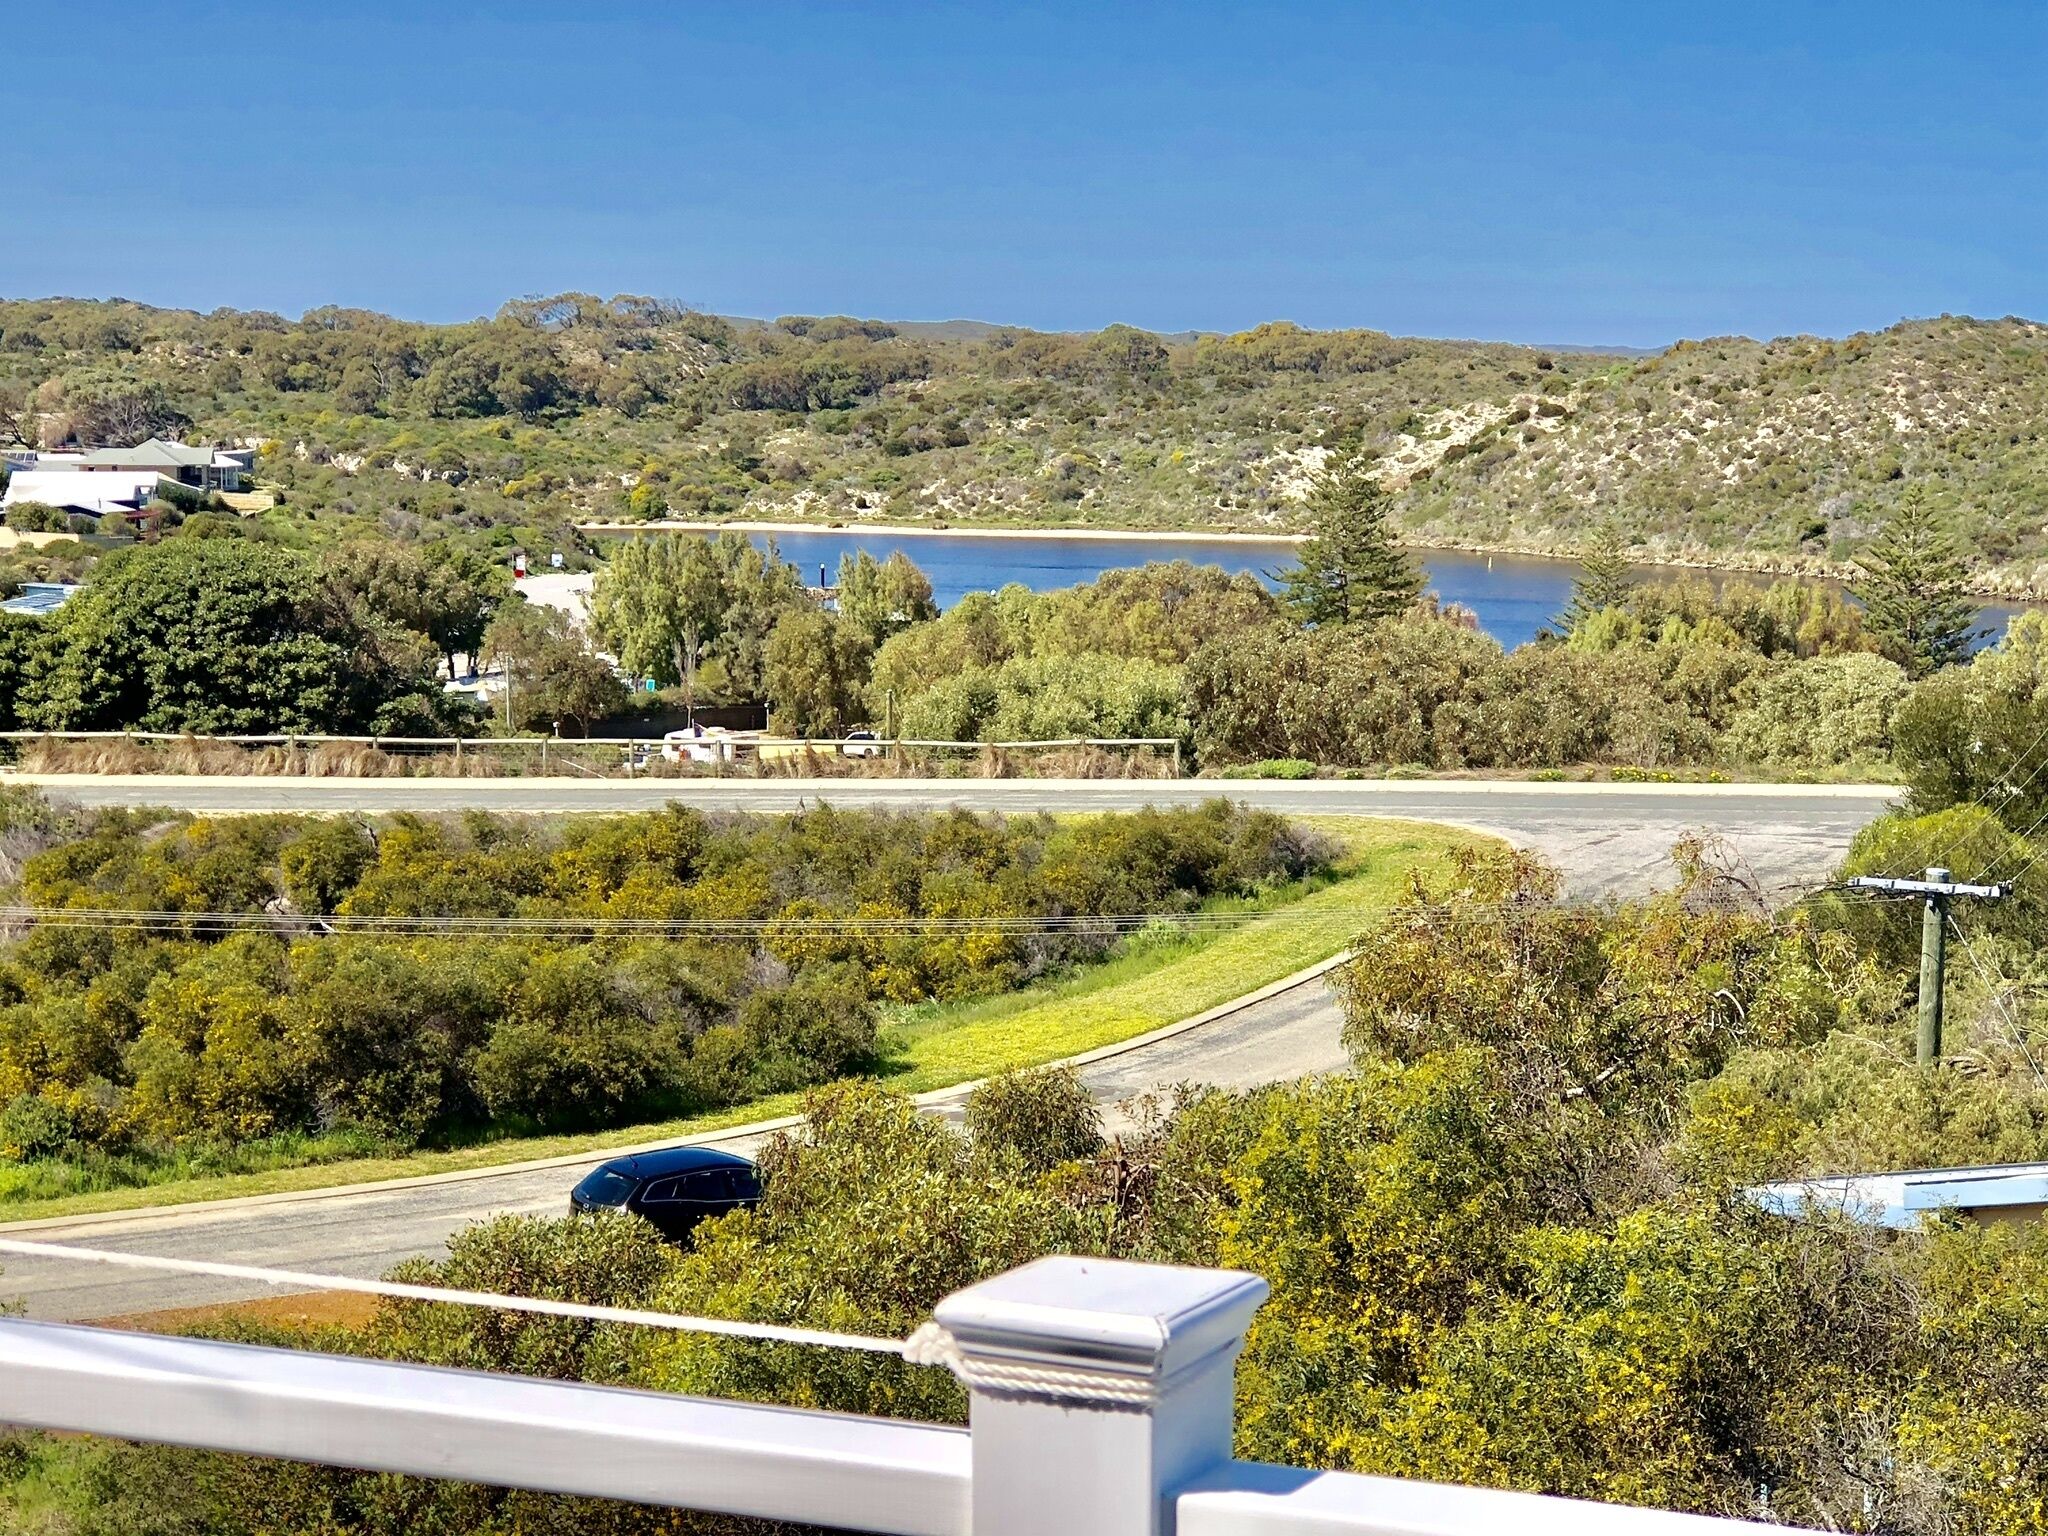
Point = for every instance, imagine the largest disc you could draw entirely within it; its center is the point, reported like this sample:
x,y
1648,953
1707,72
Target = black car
x,y
675,1189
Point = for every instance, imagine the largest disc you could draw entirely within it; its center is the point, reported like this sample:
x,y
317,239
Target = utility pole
x,y
1939,890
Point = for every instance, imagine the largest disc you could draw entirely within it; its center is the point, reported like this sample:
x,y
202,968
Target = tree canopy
x,y
1351,571
225,636
1911,584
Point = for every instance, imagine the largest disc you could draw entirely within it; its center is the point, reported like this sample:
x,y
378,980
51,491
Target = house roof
x,y
38,597
155,451
1899,1200
115,491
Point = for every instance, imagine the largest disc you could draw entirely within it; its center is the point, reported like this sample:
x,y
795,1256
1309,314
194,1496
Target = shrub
x,y
1967,734
1034,1120
566,1053
167,1045
1274,768
37,517
1832,709
819,1027
1051,698
34,1126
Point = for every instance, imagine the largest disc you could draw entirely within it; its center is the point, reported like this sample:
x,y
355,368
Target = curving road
x,y
1609,839
1288,1032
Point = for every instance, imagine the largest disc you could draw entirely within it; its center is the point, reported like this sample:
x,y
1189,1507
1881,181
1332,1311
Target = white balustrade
x,y
1100,1405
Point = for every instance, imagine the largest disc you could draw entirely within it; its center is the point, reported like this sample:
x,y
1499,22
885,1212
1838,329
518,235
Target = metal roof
x,y
112,491
39,597
1899,1200
154,451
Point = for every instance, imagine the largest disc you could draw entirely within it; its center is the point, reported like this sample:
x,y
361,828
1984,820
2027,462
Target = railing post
x,y
1098,1390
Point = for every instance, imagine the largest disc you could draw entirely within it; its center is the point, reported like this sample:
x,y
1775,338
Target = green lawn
x,y
1151,984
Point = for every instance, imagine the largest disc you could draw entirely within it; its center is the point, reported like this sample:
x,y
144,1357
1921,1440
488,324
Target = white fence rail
x,y
1100,1406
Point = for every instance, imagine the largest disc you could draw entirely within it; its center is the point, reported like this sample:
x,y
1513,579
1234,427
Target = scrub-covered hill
x,y
1783,453
555,411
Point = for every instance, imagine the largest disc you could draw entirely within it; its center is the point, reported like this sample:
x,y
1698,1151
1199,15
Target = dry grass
x,y
593,759
305,1312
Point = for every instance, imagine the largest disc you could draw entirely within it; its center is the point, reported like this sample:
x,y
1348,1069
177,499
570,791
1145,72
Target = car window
x,y
604,1187
710,1184
746,1184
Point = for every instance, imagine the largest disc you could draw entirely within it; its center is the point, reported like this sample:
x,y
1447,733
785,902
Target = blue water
x,y
1513,595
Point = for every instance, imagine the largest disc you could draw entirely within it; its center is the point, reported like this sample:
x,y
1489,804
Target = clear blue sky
x,y
1539,171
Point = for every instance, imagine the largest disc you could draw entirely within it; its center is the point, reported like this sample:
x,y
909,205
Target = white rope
x,y
930,1345
399,1291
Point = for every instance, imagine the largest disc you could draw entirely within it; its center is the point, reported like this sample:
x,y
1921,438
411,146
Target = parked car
x,y
861,744
674,1189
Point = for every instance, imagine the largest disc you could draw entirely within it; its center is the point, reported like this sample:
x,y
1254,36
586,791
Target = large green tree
x,y
553,674
883,597
224,636
659,605
666,605
1604,580
817,669
441,592
1911,584
21,637
1351,570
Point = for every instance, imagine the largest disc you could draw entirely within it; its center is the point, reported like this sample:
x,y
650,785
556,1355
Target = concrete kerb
x,y
932,1098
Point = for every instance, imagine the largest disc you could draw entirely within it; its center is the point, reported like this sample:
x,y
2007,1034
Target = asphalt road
x,y
1609,839
364,1232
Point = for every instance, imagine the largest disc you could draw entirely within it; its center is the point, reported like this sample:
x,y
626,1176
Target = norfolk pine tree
x,y
1603,581
1351,570
1910,582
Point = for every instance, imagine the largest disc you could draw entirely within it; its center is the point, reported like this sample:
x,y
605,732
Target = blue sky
x,y
1559,172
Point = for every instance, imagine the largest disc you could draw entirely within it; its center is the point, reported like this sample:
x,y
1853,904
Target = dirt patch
x,y
309,1311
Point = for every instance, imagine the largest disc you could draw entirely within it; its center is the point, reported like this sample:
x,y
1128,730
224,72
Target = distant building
x,y
204,469
39,597
1999,1192
109,493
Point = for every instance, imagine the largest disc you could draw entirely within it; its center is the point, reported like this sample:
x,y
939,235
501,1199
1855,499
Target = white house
x,y
205,469
116,493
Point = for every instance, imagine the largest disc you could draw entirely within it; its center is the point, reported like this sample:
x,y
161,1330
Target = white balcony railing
x,y
1100,1405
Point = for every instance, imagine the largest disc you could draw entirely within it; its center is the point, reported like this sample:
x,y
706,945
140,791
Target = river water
x,y
1513,595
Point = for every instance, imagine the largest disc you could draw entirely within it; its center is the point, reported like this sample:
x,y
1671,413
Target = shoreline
x,y
914,530
1735,565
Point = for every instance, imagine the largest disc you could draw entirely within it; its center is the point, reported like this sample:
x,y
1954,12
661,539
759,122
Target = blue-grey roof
x,y
39,597
1900,1200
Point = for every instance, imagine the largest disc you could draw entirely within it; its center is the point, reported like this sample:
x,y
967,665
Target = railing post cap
x,y
1146,1321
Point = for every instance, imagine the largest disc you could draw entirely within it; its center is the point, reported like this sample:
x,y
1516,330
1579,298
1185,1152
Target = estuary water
x,y
1513,595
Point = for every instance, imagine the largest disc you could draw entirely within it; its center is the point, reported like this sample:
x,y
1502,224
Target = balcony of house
x,y
1100,1396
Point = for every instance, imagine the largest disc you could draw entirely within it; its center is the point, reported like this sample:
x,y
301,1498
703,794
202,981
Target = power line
x,y
817,924
848,925
1998,999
